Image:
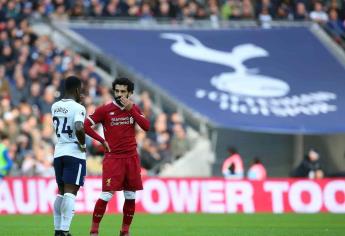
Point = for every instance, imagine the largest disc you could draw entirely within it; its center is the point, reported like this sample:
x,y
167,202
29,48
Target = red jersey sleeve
x,y
95,118
140,118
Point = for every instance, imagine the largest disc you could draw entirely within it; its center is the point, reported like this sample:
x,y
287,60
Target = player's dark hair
x,y
124,81
232,150
256,160
72,83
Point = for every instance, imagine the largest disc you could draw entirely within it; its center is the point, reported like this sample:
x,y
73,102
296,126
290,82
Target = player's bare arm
x,y
89,124
80,133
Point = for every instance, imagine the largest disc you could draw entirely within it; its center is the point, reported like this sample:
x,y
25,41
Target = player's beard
x,y
118,100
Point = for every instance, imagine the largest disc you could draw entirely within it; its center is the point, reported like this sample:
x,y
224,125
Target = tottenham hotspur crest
x,y
244,90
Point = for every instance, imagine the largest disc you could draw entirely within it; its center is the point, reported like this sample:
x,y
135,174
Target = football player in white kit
x,y
69,155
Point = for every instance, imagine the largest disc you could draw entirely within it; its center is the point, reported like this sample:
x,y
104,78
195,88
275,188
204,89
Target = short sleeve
x,y
80,114
97,116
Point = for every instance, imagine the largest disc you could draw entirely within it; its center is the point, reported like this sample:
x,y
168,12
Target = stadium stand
x,y
32,69
32,72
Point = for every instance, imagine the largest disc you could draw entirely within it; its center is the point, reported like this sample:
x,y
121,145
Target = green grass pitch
x,y
186,225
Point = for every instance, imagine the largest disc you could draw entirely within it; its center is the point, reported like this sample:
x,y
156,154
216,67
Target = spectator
x,y
165,10
133,8
145,12
111,10
44,156
265,19
319,15
23,149
266,5
150,156
4,83
257,170
145,104
160,126
19,90
283,12
180,144
48,99
310,167
233,165
247,10
226,9
7,57
337,5
78,9
336,26
35,94
5,159
96,9
301,12
214,13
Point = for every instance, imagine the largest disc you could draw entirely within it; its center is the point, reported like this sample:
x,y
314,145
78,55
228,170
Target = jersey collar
x,y
122,108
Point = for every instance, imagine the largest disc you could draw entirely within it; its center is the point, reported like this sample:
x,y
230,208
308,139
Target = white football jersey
x,y
65,113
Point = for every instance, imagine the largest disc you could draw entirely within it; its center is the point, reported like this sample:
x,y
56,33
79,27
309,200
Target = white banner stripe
x,y
78,176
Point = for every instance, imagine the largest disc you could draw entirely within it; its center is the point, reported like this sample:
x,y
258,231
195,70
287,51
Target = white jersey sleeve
x,y
79,114
65,113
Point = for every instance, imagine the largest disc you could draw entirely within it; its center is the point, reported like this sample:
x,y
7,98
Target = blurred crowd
x,y
318,10
32,72
330,13
33,68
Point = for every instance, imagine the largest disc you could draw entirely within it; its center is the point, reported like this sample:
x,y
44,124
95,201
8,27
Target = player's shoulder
x,y
75,105
79,105
105,107
108,105
56,104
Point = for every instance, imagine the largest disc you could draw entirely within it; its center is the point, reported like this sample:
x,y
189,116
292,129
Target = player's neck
x,y
67,96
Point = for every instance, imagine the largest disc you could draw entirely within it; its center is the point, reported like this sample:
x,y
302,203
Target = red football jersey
x,y
119,128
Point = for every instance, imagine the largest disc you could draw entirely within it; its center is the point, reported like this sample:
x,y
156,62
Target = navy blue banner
x,y
277,80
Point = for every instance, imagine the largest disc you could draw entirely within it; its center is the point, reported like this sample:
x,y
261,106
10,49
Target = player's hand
x,y
82,148
127,104
106,146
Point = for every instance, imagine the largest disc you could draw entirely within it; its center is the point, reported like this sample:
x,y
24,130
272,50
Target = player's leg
x,y
59,196
133,183
67,206
128,211
73,177
112,180
99,210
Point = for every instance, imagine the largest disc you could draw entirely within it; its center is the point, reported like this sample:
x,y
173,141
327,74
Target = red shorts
x,y
121,174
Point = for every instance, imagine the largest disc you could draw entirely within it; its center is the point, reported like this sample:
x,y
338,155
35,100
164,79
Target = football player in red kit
x,y
121,165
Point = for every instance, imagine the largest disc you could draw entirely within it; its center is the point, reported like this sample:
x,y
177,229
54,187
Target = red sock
x,y
128,213
98,213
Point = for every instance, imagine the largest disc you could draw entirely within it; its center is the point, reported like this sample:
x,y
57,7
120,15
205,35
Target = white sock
x,y
67,210
57,211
